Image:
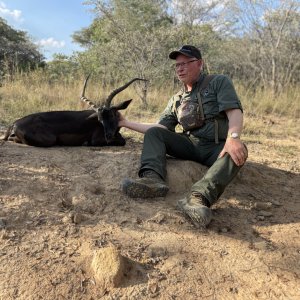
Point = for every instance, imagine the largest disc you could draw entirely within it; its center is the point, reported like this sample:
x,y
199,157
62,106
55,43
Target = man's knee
x,y
155,132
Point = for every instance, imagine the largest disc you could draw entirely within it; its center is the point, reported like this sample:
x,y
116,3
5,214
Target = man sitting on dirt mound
x,y
210,113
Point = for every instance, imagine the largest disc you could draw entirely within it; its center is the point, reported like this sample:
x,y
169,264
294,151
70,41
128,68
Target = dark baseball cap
x,y
186,50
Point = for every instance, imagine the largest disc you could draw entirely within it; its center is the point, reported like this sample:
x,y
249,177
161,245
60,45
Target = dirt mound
x,y
58,206
109,267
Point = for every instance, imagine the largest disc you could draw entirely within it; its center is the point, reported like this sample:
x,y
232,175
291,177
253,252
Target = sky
x,y
49,23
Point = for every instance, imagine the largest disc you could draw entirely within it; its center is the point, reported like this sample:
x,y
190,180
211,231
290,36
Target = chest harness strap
x,y
201,89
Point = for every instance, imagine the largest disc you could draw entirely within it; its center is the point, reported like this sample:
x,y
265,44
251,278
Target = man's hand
x,y
122,120
236,149
139,127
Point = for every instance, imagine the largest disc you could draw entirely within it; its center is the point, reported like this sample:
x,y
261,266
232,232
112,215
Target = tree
x,y
17,52
127,40
269,47
256,42
194,12
62,68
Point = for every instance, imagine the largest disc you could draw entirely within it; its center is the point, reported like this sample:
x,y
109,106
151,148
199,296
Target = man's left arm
x,y
233,145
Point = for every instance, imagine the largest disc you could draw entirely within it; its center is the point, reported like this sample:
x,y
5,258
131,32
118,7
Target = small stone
x,y
260,218
265,213
159,218
262,205
152,287
67,220
109,267
78,218
234,290
66,203
138,221
74,217
262,245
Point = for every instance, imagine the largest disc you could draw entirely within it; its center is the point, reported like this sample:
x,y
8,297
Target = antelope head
x,y
108,115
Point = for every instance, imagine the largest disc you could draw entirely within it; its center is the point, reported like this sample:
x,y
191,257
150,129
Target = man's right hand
x,y
122,120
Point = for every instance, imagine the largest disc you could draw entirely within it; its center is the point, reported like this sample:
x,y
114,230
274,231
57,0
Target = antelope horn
x,y
83,98
120,89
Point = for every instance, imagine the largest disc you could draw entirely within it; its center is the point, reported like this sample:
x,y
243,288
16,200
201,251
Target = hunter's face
x,y
188,69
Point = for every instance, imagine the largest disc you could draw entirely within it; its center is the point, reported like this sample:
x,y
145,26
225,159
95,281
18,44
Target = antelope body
x,y
96,127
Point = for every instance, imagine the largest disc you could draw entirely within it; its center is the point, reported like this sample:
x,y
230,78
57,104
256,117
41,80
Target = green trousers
x,y
159,142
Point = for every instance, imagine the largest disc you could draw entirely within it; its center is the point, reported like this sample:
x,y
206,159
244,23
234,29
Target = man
x,y
216,143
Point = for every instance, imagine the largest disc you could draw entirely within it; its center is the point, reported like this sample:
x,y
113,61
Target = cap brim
x,y
174,54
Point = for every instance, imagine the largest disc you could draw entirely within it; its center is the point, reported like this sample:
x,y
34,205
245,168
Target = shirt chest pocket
x,y
210,104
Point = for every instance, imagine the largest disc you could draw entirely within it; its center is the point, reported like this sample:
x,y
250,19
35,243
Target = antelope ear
x,y
123,105
93,116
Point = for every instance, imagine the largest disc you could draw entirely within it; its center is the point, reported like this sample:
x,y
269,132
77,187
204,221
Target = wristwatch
x,y
234,135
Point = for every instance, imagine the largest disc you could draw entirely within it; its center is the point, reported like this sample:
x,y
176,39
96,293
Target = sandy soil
x,y
58,206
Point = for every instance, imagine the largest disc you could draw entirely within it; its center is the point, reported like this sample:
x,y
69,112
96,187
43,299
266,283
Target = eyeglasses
x,y
183,64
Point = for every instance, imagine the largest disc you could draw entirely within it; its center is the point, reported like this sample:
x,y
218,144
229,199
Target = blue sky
x,y
49,23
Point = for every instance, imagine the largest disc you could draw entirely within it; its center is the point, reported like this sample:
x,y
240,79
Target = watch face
x,y
234,135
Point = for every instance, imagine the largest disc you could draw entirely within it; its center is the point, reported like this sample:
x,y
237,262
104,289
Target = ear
x,y
123,105
202,64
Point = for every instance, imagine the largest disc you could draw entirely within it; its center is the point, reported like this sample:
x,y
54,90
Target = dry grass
x,y
264,102
33,93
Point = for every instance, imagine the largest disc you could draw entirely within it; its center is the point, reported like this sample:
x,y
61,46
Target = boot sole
x,y
138,190
200,215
